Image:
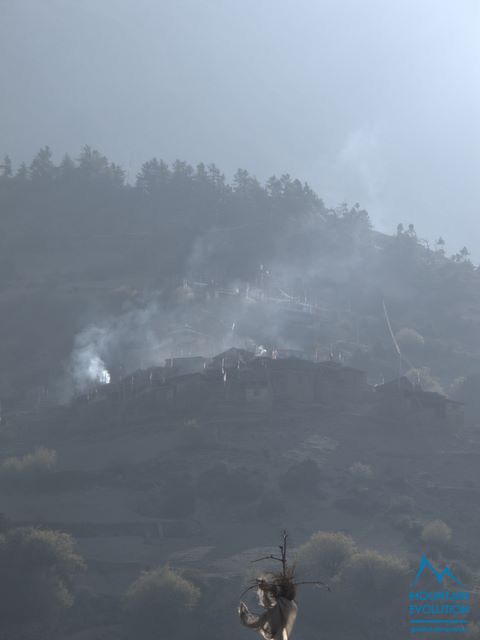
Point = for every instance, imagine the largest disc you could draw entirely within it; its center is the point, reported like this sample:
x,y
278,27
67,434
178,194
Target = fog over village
x,y
239,320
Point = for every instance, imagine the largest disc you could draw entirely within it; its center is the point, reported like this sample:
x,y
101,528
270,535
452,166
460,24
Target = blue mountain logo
x,y
440,575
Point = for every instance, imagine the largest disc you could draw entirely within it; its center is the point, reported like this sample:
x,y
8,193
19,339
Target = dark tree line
x,y
82,221
174,219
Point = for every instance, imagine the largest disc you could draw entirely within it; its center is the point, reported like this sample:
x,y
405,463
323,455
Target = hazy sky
x,y
375,101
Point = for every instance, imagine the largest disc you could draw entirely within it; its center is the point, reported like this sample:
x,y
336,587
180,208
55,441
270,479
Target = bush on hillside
x,y
36,566
160,603
324,555
41,461
436,533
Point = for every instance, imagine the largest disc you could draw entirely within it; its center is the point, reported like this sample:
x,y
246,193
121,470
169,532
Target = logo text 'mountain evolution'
x,y
442,611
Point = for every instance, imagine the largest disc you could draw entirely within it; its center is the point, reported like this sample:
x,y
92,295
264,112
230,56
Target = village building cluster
x,y
239,380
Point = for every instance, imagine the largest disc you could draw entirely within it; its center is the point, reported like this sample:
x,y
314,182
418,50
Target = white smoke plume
x,y
189,325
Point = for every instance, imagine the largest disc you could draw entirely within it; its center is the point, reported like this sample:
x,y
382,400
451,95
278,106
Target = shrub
x,y
40,461
324,555
160,602
35,570
436,533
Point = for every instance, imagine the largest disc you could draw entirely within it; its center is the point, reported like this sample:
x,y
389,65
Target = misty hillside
x,y
239,325
189,366
117,273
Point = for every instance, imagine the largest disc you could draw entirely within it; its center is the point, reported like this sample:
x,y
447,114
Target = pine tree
x,y
6,167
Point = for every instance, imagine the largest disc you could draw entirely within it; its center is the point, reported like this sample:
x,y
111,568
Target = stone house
x,y
400,398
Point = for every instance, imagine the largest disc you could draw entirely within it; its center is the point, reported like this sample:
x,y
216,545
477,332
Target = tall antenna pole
x,y
394,340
